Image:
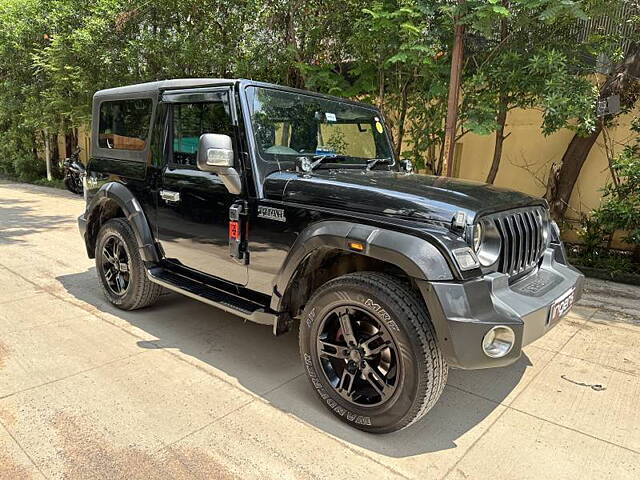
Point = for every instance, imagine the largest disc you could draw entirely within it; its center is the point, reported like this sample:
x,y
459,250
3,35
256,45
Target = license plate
x,y
561,306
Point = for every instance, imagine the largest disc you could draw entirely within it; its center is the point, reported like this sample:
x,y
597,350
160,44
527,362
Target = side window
x,y
124,124
190,120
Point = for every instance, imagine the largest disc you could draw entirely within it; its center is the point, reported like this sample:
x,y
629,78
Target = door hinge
x,y
238,232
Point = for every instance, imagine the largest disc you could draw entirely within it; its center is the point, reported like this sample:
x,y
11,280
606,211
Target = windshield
x,y
287,125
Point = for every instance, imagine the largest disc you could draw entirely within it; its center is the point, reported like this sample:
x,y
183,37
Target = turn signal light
x,y
357,246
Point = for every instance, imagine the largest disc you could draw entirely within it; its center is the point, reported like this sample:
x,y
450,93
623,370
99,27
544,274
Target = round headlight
x,y
486,242
498,341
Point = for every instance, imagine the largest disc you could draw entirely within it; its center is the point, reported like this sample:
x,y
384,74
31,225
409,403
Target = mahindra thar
x,y
287,207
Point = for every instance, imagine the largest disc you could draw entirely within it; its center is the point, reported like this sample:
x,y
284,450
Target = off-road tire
x,y
141,292
390,299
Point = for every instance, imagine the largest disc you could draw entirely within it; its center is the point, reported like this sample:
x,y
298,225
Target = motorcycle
x,y
73,173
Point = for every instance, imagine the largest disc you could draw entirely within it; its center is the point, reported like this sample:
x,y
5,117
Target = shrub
x,y
620,208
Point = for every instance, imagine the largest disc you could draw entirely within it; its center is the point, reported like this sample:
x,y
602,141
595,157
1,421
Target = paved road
x,y
182,390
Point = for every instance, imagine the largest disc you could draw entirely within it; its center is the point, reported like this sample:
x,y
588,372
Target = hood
x,y
423,197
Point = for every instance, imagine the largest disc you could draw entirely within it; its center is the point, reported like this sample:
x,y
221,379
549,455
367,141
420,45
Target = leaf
x,y
501,10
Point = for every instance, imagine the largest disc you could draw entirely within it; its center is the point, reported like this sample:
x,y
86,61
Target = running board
x,y
216,297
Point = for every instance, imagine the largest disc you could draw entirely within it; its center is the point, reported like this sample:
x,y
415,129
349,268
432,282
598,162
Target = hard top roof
x,y
179,83
163,85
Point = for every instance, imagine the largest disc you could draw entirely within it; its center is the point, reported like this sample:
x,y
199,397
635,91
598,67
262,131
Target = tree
x,y
623,81
54,54
522,55
22,32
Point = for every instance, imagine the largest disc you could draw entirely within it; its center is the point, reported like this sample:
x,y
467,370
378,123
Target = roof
x,y
163,85
178,83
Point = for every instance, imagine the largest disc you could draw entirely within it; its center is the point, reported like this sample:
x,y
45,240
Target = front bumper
x,y
463,313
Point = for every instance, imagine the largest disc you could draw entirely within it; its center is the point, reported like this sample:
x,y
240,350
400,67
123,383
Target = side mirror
x,y
215,154
214,151
406,166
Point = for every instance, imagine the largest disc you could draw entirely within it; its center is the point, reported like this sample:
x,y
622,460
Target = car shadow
x,y
270,367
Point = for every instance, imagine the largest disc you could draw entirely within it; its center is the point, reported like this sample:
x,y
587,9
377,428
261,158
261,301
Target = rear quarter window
x,y
124,124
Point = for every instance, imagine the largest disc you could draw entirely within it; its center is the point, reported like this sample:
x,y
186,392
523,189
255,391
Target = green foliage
x,y
620,209
614,262
54,54
28,170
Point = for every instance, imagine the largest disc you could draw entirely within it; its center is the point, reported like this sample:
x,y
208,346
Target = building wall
x,y
84,142
527,157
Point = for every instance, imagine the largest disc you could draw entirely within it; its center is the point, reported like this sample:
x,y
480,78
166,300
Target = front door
x,y
193,206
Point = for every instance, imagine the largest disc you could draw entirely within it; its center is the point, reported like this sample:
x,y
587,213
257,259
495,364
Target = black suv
x,y
282,205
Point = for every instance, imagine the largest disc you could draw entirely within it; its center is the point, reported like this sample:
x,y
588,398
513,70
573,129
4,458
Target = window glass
x,y
190,120
287,125
124,124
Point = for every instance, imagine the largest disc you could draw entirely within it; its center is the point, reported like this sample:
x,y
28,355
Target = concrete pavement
x,y
182,390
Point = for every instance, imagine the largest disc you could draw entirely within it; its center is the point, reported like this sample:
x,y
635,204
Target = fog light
x,y
498,341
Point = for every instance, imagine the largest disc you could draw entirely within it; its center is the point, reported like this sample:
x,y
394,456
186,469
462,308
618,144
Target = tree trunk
x,y
500,136
403,116
560,186
69,144
451,121
624,82
501,118
47,155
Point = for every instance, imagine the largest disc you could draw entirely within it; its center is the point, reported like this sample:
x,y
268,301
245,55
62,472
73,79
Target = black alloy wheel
x,y
370,351
115,265
358,355
123,274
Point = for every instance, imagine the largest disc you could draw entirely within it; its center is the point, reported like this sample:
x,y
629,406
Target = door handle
x,y
169,196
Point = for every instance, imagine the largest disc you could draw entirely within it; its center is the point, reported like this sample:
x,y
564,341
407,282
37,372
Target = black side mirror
x,y
215,154
406,166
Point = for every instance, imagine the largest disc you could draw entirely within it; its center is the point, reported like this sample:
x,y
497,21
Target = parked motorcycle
x,y
73,173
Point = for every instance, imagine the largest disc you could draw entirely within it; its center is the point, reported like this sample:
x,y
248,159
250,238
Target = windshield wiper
x,y
319,159
378,161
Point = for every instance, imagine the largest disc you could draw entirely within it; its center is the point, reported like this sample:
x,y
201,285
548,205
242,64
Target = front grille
x,y
522,237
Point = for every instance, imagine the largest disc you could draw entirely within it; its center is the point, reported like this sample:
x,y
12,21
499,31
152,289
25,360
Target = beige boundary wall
x,y
527,157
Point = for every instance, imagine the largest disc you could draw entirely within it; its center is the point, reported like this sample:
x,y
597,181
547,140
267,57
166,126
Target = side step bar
x,y
216,297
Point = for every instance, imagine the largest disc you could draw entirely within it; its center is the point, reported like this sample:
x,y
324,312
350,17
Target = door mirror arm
x,y
215,154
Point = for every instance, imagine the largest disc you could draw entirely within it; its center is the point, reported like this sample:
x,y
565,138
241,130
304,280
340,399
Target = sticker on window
x,y
331,117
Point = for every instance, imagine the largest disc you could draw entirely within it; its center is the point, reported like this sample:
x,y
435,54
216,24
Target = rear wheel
x,y
121,269
370,352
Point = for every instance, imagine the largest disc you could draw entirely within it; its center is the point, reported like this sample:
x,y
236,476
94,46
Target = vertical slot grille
x,y
522,239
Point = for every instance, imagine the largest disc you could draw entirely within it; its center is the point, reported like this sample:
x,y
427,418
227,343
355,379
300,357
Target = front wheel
x,y
370,352
70,183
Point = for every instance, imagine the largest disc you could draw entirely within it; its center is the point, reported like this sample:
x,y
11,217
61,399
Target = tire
x,y
370,300
140,292
79,187
69,183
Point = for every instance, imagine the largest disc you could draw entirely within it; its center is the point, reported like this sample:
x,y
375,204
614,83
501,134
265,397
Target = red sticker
x,y
234,230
